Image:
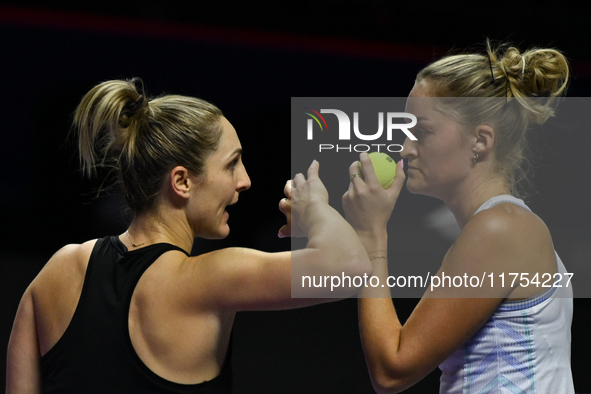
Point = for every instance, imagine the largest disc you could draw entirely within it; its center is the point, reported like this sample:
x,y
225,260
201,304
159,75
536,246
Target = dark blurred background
x,y
249,58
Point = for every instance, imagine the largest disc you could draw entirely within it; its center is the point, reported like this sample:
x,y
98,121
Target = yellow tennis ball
x,y
384,166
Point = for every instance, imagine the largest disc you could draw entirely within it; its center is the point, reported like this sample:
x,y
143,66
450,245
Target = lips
x,y
227,206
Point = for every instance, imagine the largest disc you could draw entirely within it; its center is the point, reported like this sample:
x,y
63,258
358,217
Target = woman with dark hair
x,y
473,113
135,313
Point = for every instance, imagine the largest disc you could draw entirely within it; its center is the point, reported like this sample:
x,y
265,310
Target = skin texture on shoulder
x,y
57,289
63,275
503,239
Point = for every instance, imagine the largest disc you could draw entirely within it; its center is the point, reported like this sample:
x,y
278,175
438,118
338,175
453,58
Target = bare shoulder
x,y
68,262
511,213
233,254
510,226
69,254
502,240
236,279
237,264
44,312
56,290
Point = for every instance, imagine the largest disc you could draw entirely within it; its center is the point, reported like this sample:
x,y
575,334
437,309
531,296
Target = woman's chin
x,y
413,187
223,232
219,233
420,189
223,229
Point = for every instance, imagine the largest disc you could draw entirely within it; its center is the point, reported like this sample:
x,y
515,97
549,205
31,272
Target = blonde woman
x,y
473,114
134,312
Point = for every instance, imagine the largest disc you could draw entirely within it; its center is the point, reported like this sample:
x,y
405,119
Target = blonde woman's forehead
x,y
417,101
420,89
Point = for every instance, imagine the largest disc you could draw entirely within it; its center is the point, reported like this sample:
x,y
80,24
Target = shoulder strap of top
x,y
131,266
162,246
491,202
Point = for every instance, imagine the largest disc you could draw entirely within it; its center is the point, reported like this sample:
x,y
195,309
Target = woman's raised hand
x,y
366,204
285,208
302,195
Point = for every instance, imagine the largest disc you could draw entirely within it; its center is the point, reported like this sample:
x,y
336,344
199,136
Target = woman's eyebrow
x,y
237,151
422,119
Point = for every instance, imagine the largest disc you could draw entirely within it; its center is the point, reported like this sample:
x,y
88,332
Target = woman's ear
x,y
180,181
484,139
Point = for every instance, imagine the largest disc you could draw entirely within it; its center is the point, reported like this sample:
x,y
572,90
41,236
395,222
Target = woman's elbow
x,y
390,382
389,386
357,265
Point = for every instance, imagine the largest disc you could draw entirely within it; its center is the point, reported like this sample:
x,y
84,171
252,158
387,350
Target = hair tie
x,y
139,85
523,66
136,106
491,70
132,109
129,111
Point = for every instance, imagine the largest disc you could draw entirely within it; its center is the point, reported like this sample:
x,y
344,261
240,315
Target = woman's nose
x,y
408,149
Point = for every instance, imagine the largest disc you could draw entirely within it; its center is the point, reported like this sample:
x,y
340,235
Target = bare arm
x,y
399,355
23,374
246,279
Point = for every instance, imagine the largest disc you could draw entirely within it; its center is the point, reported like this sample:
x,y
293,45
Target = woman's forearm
x,y
379,325
334,252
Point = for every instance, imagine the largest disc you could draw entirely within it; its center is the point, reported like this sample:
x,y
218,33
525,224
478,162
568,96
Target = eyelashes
x,y
233,163
419,131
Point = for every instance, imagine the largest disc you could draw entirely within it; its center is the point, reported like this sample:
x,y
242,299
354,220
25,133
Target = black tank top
x,y
95,354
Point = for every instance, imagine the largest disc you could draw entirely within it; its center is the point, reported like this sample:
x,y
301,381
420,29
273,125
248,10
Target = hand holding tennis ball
x,y
384,167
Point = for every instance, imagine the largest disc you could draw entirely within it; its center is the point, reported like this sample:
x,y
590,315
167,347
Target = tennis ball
x,y
384,166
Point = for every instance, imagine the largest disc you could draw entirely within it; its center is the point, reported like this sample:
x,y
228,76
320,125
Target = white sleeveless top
x,y
523,348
